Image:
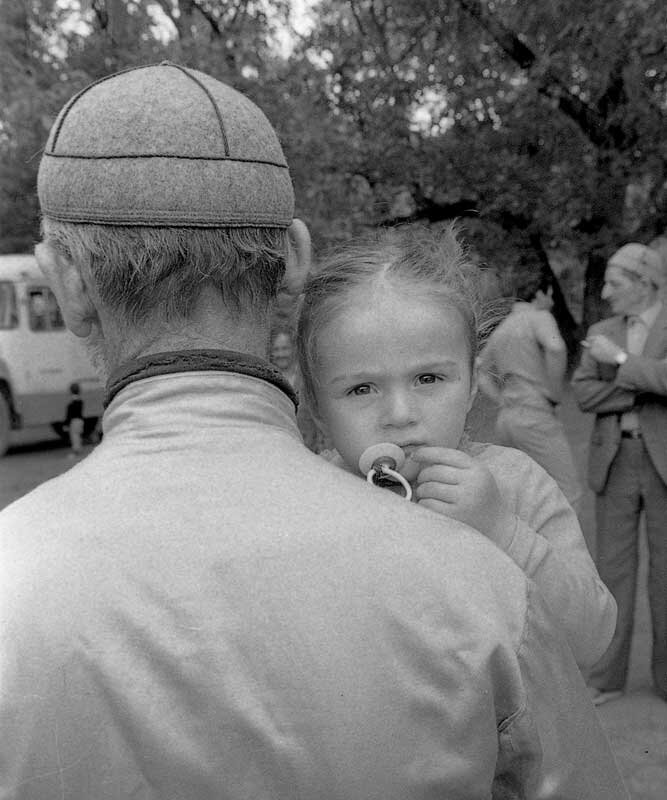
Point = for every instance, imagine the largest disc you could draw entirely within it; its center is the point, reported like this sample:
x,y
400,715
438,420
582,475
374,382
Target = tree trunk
x,y
595,308
567,325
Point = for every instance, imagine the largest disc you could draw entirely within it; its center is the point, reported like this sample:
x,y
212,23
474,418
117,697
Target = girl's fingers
x,y
440,473
441,455
435,505
436,490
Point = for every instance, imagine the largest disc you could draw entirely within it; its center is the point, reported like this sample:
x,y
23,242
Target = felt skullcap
x,y
164,145
641,261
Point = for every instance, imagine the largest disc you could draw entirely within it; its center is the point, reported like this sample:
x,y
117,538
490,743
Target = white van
x,y
39,357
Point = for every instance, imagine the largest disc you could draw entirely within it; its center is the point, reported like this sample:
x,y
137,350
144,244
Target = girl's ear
x,y
474,383
311,425
69,287
308,410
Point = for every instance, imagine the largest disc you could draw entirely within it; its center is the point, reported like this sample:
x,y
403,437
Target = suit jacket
x,y
608,391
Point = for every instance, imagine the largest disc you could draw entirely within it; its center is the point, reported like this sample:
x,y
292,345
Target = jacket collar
x,y
195,361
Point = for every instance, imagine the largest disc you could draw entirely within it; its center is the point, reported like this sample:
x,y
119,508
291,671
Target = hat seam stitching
x,y
118,156
211,99
79,213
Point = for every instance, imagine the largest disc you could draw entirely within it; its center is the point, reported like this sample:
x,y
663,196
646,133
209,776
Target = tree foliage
x,y
540,123
544,118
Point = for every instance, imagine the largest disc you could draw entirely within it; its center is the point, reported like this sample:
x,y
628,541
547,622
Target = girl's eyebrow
x,y
433,366
369,375
353,377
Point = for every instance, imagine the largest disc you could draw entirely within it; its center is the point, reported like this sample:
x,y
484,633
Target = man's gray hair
x,y
142,272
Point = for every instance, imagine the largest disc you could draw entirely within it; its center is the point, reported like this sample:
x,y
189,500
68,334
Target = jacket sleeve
x,y
577,761
550,548
597,389
642,374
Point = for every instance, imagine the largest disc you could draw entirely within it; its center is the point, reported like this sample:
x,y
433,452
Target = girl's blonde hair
x,y
422,260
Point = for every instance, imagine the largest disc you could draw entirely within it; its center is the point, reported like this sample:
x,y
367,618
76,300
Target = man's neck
x,y
171,341
652,302
209,327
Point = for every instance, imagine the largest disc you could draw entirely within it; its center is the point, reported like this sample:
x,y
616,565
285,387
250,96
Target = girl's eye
x,y
362,389
427,378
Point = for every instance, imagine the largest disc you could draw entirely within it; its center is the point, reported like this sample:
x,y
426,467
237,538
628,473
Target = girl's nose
x,y
399,410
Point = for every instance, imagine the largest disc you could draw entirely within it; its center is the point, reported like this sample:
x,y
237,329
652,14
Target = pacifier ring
x,y
384,460
381,469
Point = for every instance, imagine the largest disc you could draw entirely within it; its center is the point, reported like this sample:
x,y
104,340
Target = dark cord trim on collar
x,y
196,361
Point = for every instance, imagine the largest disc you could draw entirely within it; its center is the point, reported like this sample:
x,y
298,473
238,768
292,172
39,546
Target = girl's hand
x,y
452,483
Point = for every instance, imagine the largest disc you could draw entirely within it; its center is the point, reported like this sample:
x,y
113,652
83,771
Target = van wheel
x,y
5,424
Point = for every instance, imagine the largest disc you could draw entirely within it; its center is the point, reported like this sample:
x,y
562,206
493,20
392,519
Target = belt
x,y
631,434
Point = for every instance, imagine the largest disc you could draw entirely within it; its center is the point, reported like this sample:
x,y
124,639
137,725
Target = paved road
x,y
636,724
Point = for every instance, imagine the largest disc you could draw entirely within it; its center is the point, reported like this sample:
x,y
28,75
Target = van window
x,y
43,310
9,317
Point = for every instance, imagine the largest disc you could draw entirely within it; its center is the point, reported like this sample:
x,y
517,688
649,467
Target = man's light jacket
x,y
204,609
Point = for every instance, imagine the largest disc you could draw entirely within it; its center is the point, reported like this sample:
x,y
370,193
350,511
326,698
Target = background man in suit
x,y
622,377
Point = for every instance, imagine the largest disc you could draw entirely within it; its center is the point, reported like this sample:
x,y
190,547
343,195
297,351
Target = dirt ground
x,y
636,724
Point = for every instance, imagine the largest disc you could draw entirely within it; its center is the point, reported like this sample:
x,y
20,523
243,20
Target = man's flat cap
x,y
166,146
641,261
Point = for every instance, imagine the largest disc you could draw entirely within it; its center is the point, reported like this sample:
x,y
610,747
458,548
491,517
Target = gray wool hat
x,y
168,146
641,261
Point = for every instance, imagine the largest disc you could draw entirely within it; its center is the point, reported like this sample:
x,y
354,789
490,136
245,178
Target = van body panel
x,y
39,357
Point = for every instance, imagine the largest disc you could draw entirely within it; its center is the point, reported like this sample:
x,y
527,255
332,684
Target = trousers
x,y
633,487
541,435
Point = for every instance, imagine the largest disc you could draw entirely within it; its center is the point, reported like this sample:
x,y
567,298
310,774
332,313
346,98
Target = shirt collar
x,y
649,315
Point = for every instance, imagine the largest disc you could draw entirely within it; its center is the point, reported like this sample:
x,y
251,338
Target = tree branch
x,y
357,18
430,211
209,17
590,122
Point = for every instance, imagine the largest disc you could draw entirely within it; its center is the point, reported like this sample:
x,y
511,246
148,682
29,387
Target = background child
x,y
387,342
74,420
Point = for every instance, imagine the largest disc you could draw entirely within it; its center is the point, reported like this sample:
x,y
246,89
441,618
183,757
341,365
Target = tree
x,y
540,124
50,50
27,79
500,110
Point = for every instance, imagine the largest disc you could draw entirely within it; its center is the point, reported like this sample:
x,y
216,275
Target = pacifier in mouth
x,y
382,462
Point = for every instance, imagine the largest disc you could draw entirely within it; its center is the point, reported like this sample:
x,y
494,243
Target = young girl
x,y
387,341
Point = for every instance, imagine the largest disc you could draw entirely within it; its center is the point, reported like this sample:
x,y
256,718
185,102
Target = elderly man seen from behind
x,y
202,608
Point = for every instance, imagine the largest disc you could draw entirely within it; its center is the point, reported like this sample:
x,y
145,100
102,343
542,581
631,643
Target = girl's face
x,y
393,366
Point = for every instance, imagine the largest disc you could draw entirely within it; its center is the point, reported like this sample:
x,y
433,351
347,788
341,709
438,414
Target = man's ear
x,y
299,258
66,281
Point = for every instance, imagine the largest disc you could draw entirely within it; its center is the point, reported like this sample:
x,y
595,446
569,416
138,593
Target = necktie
x,y
636,335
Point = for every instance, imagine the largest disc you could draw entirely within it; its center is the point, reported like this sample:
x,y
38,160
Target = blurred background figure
x,y
659,244
74,420
622,378
522,368
282,353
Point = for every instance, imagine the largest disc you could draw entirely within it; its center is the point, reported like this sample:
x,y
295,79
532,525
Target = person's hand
x,y
452,483
602,348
